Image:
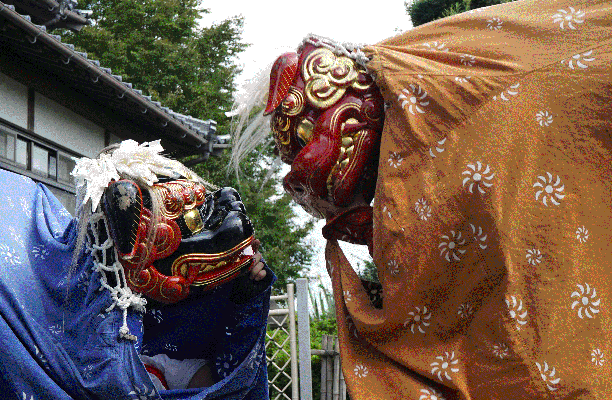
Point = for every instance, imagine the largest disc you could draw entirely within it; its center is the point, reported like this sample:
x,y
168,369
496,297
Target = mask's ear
x,y
123,206
283,74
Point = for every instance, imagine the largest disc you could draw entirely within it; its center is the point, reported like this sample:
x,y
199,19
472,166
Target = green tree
x,y
424,11
158,46
271,210
369,272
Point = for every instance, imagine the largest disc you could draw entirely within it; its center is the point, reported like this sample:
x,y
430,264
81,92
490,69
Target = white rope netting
x,y
122,296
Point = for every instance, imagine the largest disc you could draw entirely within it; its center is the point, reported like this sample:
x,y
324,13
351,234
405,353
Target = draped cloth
x,y
59,342
492,211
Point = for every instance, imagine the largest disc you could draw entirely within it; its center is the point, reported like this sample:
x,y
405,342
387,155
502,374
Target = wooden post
x,y
342,384
337,371
323,368
330,367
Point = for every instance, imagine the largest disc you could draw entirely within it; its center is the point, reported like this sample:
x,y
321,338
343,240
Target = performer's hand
x,y
257,272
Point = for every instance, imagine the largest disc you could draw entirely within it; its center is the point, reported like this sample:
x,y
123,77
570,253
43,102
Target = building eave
x,y
180,135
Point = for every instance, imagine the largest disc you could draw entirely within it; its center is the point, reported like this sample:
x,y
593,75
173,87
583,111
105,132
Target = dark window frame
x,y
53,150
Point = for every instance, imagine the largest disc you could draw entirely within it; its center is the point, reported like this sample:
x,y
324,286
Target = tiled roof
x,y
193,127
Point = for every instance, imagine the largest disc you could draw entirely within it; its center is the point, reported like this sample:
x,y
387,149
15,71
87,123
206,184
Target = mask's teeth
x,y
248,251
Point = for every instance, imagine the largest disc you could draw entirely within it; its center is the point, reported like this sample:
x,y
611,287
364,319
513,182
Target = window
x,y
24,153
27,153
7,146
65,165
21,153
52,166
40,160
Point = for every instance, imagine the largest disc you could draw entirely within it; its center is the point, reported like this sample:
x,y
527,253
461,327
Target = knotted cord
x,y
122,296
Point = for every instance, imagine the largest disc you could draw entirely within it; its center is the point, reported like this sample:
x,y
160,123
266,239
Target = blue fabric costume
x,y
58,341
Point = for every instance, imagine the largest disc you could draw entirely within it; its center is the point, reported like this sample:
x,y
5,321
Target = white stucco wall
x,y
13,101
62,126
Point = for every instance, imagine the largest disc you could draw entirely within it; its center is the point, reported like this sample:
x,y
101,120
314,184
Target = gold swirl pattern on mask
x,y
179,196
327,77
281,125
293,103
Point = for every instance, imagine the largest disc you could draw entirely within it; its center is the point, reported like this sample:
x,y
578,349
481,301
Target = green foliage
x,y
322,304
275,222
369,272
318,328
158,47
424,11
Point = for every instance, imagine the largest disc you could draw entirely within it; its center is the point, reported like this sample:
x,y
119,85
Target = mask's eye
x,y
293,104
304,132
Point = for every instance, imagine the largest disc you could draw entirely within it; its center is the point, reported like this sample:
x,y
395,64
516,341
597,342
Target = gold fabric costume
x,y
492,211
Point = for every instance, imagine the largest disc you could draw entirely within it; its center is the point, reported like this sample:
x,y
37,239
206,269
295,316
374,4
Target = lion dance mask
x,y
171,236
326,118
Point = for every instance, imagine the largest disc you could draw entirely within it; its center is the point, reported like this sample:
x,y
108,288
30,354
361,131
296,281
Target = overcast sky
x,y
273,27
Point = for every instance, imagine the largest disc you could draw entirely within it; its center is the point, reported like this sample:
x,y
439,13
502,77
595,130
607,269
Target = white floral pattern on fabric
x,y
143,394
516,312
16,237
468,60
393,267
582,234
438,148
387,211
510,91
587,303
463,79
26,207
88,371
479,236
9,256
500,350
579,60
597,357
347,295
449,246
437,46
445,363
40,252
24,396
56,329
430,394
544,118
465,310
494,24
548,376
568,18
418,319
550,192
226,364
477,178
361,371
415,99
395,160
156,314
170,347
422,209
533,256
